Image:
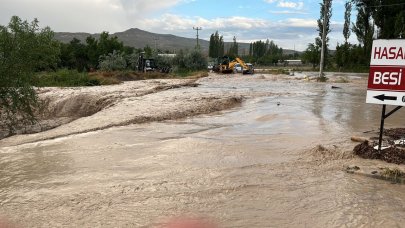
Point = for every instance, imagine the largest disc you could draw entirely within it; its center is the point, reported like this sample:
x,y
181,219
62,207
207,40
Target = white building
x,y
293,62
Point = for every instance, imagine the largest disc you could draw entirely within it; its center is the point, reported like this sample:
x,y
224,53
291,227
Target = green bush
x,y
64,78
163,62
113,61
190,61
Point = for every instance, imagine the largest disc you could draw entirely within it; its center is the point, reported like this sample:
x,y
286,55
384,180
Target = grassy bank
x,y
73,78
69,78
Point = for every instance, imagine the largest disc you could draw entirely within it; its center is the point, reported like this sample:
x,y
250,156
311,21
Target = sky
x,y
289,23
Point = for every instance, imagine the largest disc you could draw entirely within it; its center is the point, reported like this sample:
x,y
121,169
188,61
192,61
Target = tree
x,y
24,48
364,28
324,30
107,44
400,25
388,16
113,61
233,50
216,46
190,61
91,51
79,58
258,49
346,26
342,51
221,46
211,48
148,51
265,53
312,54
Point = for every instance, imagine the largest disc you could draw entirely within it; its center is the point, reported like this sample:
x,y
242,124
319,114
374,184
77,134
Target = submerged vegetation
x,y
394,174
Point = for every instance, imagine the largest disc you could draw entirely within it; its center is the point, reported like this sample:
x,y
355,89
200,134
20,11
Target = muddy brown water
x,y
250,166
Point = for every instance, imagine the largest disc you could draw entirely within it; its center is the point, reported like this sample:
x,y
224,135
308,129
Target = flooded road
x,y
250,166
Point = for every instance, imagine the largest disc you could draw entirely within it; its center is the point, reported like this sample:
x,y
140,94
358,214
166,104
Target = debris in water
x,y
395,133
358,139
400,142
392,154
393,175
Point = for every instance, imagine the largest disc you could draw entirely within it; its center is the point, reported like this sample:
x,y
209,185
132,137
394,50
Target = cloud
x,y
285,32
298,22
84,15
171,22
94,16
287,4
141,7
291,5
288,12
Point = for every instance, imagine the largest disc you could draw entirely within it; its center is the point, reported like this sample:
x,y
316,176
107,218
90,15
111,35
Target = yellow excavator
x,y
226,66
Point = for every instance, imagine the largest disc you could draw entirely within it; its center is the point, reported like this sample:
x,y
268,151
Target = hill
x,y
137,38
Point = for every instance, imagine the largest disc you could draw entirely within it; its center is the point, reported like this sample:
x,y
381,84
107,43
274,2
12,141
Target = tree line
x,y
376,19
260,52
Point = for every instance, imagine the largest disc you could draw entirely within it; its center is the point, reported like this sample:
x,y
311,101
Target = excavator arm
x,y
226,66
245,68
241,62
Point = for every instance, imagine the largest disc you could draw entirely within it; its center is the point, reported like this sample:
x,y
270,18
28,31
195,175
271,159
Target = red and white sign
x,y
386,81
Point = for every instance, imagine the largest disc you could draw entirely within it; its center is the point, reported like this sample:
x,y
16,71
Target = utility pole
x,y
197,28
294,52
156,39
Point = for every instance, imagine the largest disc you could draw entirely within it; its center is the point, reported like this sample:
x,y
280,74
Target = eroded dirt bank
x,y
59,106
85,109
254,165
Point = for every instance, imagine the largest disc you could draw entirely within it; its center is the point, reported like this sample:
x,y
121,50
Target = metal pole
x,y
381,128
156,39
197,28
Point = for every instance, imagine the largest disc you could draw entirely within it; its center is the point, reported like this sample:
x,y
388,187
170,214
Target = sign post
x,y
386,81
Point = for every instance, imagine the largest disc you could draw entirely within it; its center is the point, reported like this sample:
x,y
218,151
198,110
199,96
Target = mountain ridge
x,y
137,38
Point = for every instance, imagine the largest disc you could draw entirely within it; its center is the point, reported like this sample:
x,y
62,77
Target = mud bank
x,y
81,110
60,106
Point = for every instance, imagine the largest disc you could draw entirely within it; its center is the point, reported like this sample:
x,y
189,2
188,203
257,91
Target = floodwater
x,y
249,166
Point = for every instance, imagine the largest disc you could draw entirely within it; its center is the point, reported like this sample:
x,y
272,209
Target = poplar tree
x,y
364,27
233,50
216,46
346,26
324,30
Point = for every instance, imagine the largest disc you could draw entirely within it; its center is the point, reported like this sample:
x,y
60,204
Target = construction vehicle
x,y
144,64
225,66
149,65
247,68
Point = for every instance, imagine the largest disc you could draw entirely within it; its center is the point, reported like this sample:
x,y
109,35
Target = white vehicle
x,y
238,68
251,69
